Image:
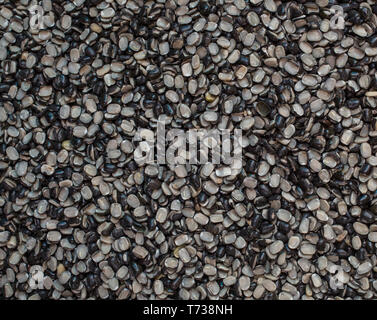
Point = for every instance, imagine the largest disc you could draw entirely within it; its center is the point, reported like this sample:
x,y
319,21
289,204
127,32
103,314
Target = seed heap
x,y
298,221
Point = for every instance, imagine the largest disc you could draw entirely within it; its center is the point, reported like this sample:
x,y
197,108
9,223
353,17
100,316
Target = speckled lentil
x,y
76,206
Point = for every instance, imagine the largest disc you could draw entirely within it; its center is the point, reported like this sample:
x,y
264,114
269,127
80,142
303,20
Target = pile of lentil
x,y
297,222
